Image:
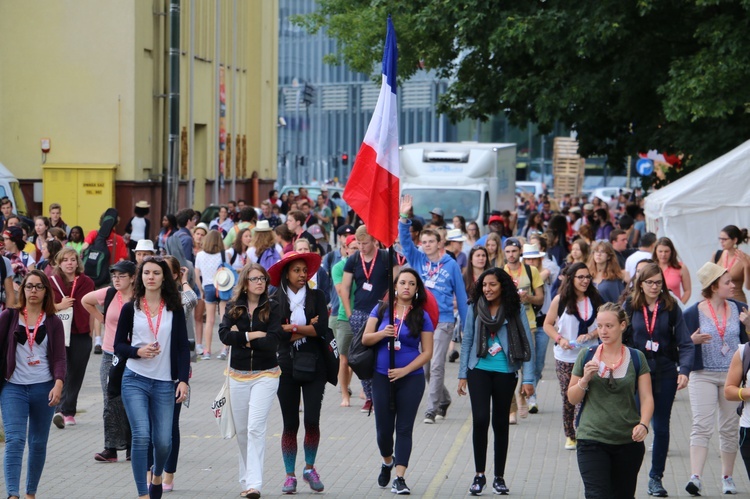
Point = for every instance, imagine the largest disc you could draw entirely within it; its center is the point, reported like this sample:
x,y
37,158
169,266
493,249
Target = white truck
x,y
462,178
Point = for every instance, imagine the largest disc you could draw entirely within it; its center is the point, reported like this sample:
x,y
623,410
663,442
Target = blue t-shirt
x,y
497,363
409,344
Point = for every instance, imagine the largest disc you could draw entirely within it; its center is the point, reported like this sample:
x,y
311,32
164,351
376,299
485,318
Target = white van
x,y
9,187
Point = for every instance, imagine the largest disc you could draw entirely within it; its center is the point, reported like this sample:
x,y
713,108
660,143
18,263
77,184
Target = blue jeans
x,y
541,340
24,405
149,404
663,399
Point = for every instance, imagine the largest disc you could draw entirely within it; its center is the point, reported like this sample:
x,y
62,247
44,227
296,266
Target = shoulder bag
x,y
222,407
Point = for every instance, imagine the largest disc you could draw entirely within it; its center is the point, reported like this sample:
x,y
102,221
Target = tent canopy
x,y
692,210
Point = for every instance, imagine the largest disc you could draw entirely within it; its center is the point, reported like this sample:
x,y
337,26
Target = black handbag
x,y
116,370
304,366
361,358
331,357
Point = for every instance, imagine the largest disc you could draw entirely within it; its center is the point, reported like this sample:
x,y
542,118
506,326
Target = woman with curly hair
x,y
496,344
571,324
152,336
251,327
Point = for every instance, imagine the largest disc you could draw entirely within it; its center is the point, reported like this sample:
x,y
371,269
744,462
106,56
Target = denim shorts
x,y
209,293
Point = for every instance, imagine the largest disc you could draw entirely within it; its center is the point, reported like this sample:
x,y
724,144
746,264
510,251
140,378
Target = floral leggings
x,y
564,371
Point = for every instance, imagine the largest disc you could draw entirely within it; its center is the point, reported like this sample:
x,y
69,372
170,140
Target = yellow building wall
x,y
90,75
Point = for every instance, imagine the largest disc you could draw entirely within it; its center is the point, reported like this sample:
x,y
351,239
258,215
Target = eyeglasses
x,y
723,239
32,287
257,279
651,283
155,259
584,277
119,276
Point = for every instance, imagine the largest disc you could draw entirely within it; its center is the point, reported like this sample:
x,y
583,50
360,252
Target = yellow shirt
x,y
521,279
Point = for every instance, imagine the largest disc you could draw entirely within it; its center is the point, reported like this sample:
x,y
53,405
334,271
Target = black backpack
x,y
97,258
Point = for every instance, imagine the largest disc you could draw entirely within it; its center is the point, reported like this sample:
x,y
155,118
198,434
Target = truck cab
x,y
11,188
461,178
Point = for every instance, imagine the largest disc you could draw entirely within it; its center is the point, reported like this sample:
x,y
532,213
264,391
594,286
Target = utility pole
x,y
173,107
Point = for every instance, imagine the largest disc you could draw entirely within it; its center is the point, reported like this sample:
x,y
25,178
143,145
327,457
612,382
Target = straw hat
x,y
532,251
142,204
709,273
455,235
311,259
202,226
145,245
224,279
263,226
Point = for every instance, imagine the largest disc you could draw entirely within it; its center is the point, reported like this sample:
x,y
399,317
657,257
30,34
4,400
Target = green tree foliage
x,y
627,75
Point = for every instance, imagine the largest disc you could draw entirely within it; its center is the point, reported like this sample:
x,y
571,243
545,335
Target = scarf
x,y
297,306
584,325
519,349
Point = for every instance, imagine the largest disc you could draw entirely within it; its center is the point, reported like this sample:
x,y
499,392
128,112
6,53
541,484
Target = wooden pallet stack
x,y
567,166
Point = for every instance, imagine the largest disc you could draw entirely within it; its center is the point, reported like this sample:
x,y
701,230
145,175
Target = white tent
x,y
692,210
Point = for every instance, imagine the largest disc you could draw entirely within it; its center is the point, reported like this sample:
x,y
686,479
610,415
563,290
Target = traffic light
x,y
344,158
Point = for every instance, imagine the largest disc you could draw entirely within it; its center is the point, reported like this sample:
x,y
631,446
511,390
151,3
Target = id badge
x,y
602,368
367,286
724,349
397,345
655,346
649,345
430,284
33,360
155,344
494,349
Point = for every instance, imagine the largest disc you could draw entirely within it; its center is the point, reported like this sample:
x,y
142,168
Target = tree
x,y
627,76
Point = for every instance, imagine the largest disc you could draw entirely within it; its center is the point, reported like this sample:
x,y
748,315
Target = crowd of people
x,y
282,279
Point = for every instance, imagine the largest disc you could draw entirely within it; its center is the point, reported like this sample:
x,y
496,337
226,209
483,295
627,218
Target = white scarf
x,y
297,306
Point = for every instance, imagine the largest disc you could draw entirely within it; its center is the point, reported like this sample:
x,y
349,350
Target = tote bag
x,y
222,407
66,314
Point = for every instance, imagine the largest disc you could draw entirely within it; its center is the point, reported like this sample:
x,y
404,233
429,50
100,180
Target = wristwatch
x,y
294,329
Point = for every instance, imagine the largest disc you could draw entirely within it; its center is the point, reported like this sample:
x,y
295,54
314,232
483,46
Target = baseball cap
x,y
437,211
495,219
345,230
349,239
512,241
125,266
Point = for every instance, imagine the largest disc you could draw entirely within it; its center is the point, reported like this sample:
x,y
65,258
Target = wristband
x,y
645,426
581,387
739,394
403,215
294,329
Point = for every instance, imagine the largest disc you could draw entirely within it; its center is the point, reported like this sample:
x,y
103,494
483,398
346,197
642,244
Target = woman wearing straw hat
x,y
304,320
207,263
718,327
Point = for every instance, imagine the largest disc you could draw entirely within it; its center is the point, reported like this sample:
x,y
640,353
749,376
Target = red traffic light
x,y
344,158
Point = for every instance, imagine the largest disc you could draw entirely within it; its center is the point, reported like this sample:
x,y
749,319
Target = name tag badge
x,y
367,286
494,349
649,345
655,346
33,360
397,345
724,349
430,284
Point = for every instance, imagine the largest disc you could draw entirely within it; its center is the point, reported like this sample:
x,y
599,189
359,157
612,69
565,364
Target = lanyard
x,y
435,272
517,277
31,337
615,366
401,323
650,327
723,328
158,318
372,265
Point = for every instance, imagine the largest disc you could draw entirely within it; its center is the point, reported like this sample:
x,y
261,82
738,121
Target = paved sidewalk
x,y
348,461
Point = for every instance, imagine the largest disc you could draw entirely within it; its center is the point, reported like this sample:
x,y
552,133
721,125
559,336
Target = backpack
x,y
635,359
535,308
226,295
362,358
745,354
111,293
97,258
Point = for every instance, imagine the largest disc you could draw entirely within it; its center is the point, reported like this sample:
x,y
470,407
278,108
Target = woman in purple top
x,y
411,329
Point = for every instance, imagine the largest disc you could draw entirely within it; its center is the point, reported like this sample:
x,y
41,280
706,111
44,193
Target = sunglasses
x,y
155,259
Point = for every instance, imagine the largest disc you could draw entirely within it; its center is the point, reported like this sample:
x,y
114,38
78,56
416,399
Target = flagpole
x,y
391,299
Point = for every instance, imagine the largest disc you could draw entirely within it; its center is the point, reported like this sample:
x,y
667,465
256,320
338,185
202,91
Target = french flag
x,y
373,187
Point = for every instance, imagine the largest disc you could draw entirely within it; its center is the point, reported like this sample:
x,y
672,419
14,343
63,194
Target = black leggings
x,y
408,391
745,446
487,387
609,470
289,395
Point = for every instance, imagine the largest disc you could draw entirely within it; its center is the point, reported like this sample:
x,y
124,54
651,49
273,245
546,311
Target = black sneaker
x,y
656,489
429,418
478,486
499,487
399,486
453,356
384,478
442,411
98,349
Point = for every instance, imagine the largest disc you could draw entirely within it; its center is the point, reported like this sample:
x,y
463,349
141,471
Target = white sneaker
x,y
223,355
727,485
694,486
198,349
206,356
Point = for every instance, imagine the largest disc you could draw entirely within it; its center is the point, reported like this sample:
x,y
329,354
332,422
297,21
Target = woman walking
x,y
491,355
571,324
411,331
717,331
304,320
495,257
613,424
207,262
609,278
152,336
478,263
734,259
263,248
112,299
34,367
676,274
660,333
69,285
251,327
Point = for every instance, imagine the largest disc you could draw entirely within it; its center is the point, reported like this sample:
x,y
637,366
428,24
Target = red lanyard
x,y
31,337
516,278
434,272
73,289
372,265
158,318
403,316
585,315
650,327
723,328
600,351
728,264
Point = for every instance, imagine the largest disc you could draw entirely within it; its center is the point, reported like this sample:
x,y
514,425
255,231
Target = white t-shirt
x,y
240,261
567,327
208,264
24,374
139,229
632,262
159,367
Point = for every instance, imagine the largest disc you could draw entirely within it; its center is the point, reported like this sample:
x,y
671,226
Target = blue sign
x,y
644,167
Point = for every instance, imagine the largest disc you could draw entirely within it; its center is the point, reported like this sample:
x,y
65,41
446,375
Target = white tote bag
x,y
65,315
222,407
